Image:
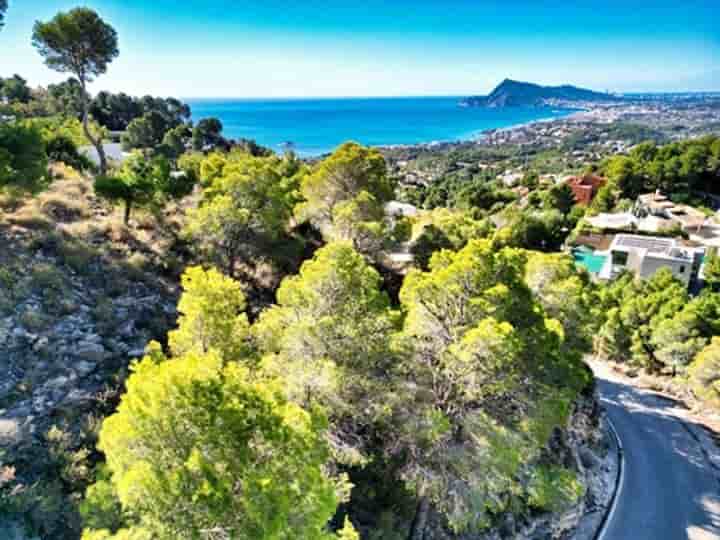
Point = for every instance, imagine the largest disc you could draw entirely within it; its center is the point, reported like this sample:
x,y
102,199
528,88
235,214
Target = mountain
x,y
511,93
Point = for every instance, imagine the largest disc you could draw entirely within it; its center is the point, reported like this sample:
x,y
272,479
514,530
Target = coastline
x,y
380,123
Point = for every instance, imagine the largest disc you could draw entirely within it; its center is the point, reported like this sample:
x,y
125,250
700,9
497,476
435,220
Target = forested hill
x,y
511,93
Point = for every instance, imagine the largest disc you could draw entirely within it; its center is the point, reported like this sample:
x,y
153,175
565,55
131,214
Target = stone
x,y
41,344
91,351
84,367
136,353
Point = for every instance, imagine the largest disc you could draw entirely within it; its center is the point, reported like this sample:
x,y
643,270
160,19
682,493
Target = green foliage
x,y
23,161
443,228
81,43
15,89
553,488
675,168
196,446
345,194
560,197
62,149
77,42
328,336
481,355
712,271
211,316
3,9
246,208
145,132
142,181
207,134
543,231
566,295
101,508
117,111
704,373
653,323
62,126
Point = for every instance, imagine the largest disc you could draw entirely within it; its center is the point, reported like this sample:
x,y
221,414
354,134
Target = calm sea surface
x,y
317,126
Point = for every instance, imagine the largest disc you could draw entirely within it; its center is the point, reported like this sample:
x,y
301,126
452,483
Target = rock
x,y
57,382
41,345
84,367
91,351
9,431
136,353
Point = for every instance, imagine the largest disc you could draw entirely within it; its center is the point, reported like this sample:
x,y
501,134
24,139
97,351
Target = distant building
x,y
585,187
658,205
510,178
645,255
396,209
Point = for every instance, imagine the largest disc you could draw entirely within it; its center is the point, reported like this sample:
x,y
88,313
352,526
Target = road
x,y
669,490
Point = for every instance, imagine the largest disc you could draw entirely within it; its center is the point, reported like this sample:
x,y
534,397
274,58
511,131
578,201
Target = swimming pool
x,y
589,260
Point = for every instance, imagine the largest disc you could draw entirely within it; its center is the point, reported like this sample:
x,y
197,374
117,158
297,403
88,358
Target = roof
x,y
667,248
591,180
649,243
611,221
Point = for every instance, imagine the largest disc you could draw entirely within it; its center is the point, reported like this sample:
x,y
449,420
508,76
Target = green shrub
x,y
46,277
553,488
704,373
23,162
77,255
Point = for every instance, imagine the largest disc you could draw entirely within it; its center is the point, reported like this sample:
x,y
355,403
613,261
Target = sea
x,y
313,127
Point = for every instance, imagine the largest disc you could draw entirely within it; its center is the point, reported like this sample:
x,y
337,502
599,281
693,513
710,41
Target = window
x,y
619,258
682,269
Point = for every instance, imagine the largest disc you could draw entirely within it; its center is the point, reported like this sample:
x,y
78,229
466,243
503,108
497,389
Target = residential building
x,y
585,187
658,205
645,255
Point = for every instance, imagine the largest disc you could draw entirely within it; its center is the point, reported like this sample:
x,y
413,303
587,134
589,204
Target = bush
x,y
553,488
23,161
704,373
62,149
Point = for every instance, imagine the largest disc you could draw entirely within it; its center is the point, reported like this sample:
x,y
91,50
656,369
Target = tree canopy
x,y
81,43
246,207
142,181
344,196
197,448
486,379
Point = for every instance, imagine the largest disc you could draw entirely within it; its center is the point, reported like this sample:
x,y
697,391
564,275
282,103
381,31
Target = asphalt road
x,y
669,490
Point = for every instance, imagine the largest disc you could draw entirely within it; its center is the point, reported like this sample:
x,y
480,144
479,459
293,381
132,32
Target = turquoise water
x,y
593,263
317,126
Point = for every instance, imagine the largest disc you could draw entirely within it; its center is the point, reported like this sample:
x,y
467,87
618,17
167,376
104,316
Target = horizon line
x,y
425,96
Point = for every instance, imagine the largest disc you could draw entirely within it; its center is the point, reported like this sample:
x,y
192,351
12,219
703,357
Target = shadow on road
x,y
670,489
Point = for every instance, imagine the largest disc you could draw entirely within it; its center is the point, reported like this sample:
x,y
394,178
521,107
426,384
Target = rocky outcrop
x,y
511,93
67,336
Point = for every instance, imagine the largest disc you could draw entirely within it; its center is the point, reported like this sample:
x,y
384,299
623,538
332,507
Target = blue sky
x,y
280,48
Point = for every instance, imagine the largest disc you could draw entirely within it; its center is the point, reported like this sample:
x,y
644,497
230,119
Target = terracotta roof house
x,y
585,187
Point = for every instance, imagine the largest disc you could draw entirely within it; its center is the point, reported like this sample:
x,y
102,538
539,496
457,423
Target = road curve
x,y
668,490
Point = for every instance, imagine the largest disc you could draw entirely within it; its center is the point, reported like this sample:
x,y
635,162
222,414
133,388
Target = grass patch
x,y
31,218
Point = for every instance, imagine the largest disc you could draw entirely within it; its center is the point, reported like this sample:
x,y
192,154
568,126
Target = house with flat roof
x,y
645,255
659,206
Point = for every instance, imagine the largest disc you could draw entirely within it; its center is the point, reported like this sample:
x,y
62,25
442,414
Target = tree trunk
x,y
417,531
128,207
97,143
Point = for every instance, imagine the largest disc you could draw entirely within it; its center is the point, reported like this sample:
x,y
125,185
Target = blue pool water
x,y
589,260
317,126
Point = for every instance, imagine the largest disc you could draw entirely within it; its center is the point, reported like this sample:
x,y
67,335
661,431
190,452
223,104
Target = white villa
x,y
644,255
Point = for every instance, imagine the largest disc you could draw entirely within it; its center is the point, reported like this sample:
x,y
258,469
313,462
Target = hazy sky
x,y
277,48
